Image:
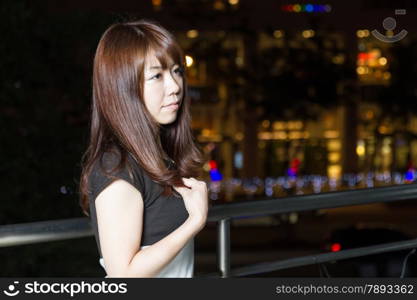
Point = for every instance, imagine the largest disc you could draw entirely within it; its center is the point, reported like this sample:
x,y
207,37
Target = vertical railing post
x,y
223,247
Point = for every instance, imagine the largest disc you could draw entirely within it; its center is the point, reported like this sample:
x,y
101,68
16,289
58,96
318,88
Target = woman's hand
x,y
195,199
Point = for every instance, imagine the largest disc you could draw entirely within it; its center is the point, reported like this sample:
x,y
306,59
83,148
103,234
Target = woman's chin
x,y
168,121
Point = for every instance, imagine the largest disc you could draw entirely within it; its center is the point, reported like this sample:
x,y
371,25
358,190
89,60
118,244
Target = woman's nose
x,y
172,85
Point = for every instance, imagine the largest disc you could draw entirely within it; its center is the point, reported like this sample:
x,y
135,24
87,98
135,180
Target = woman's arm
x,y
120,217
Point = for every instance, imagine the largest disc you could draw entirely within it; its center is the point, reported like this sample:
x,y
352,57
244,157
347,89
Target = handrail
x,y
45,231
313,259
314,201
54,230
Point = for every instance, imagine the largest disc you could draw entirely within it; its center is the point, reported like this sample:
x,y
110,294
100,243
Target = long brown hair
x,y
120,119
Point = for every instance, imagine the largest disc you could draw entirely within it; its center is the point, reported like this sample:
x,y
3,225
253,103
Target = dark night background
x,y
46,55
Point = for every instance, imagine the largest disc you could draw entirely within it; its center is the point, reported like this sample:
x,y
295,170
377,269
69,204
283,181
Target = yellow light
x,y
189,61
382,61
233,2
362,33
265,123
308,33
298,125
264,135
384,129
386,149
334,145
334,157
360,70
375,53
334,171
239,61
206,167
386,75
206,132
279,125
278,34
279,135
294,125
372,62
360,149
192,34
156,2
389,33
296,8
338,59
296,135
369,114
239,136
218,5
331,134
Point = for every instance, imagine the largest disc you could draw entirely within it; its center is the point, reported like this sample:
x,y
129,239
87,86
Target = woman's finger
x,y
188,181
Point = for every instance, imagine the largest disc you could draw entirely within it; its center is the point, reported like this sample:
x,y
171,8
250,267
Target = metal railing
x,y
30,233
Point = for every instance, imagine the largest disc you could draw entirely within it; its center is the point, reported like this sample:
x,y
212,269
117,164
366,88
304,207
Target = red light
x,y
212,164
363,56
287,8
335,247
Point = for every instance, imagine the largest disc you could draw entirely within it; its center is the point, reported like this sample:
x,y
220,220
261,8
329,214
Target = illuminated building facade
x,y
332,66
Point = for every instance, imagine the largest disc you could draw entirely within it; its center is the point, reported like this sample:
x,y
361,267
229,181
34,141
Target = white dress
x,y
182,266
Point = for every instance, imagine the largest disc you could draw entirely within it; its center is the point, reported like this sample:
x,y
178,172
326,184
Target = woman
x,y
138,172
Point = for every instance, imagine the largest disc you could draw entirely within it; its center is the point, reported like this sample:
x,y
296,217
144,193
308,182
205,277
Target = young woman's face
x,y
162,90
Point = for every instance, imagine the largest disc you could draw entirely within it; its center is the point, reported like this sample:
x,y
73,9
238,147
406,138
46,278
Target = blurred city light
x,y
382,61
307,8
157,4
218,5
362,33
360,148
192,34
308,33
335,247
278,34
189,61
215,175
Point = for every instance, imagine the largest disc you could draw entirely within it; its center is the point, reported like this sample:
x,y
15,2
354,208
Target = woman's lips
x,y
173,106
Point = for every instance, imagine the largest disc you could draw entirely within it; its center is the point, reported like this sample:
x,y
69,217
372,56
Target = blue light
x,y
238,160
320,8
309,8
291,172
409,176
215,175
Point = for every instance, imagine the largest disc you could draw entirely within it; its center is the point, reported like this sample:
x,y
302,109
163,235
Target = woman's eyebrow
x,y
160,67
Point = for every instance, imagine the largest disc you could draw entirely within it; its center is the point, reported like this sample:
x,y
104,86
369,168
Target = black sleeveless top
x,y
161,214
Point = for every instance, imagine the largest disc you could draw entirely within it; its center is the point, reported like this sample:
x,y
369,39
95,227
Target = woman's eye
x,y
157,76
179,71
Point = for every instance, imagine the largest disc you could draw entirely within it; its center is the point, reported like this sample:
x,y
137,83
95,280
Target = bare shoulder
x,y
118,192
119,209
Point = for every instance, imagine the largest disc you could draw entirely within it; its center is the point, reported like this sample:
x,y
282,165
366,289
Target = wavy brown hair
x,y
119,118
